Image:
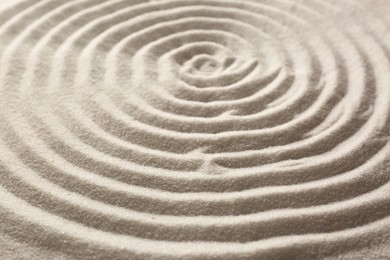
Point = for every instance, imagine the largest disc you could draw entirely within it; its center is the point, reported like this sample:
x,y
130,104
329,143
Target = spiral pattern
x,y
195,128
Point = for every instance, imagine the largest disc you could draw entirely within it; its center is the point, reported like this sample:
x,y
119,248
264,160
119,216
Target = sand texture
x,y
195,129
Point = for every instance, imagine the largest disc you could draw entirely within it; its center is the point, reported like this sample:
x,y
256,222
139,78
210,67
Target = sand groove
x,y
195,128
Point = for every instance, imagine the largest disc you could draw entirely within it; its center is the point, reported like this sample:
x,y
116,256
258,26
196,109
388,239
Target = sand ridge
x,y
202,129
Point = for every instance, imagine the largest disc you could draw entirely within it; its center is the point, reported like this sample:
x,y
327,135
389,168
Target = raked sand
x,y
194,129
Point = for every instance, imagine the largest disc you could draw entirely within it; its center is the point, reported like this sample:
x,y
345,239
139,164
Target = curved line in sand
x,y
152,118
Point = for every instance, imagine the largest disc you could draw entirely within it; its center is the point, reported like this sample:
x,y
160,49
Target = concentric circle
x,y
195,129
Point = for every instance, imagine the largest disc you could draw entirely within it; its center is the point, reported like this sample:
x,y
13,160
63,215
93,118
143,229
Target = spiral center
x,y
205,66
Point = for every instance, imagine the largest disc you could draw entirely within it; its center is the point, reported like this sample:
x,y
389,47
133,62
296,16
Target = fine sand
x,y
194,129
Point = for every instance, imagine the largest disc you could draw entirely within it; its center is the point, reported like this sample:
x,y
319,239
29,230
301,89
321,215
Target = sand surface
x,y
194,129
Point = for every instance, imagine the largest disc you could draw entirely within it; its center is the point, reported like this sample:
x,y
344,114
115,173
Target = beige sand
x,y
194,129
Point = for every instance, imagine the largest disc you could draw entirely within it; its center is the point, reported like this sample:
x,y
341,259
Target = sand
x,y
194,129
